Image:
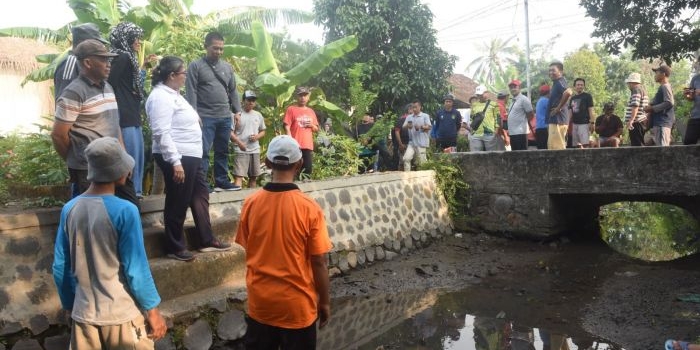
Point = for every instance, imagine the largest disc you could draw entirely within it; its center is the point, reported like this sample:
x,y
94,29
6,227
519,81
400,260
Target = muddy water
x,y
483,292
445,320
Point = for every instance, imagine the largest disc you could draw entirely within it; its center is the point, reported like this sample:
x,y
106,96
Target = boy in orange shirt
x,y
285,238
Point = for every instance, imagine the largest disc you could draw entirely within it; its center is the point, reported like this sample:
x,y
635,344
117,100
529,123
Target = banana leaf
x,y
321,59
239,51
263,44
46,72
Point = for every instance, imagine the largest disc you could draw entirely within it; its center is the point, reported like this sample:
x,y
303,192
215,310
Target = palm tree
x,y
491,67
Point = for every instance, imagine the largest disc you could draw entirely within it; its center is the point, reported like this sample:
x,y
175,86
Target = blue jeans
x,y
216,132
133,142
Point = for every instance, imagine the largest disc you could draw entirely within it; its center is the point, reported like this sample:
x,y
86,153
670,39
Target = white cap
x,y
480,90
283,149
634,78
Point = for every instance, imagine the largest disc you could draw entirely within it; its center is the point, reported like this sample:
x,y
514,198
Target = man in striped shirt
x,y
85,111
635,118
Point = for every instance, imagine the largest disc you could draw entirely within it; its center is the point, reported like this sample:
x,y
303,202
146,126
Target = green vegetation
x,y
450,183
31,172
650,231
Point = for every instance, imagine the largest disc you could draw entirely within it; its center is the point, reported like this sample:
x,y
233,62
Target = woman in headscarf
x,y
125,78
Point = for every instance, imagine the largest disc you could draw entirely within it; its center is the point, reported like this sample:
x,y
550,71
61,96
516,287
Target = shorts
x,y
246,164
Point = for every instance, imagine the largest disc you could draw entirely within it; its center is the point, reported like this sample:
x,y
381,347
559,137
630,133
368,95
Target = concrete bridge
x,y
540,194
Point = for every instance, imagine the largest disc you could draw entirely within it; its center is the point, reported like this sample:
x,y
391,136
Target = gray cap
x,y
302,90
86,31
107,160
283,149
249,95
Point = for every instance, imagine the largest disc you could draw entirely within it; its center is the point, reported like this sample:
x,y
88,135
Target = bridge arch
x,y
545,193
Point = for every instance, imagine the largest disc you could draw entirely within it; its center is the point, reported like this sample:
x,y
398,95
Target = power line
x,y
490,30
481,12
493,34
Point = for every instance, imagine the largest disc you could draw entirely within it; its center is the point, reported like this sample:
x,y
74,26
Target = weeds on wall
x,y
450,183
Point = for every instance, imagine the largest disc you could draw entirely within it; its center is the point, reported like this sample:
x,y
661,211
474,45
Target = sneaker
x,y
215,246
227,187
182,256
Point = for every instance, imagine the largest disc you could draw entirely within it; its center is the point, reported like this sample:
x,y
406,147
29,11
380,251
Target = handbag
x,y
225,85
478,118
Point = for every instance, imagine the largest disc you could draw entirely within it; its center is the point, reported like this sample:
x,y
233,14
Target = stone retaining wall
x,y
369,217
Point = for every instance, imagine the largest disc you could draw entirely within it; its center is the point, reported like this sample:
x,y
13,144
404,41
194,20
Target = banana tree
x,y
281,85
159,19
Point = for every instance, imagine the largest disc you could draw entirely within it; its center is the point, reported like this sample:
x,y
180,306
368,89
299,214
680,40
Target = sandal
x,y
670,344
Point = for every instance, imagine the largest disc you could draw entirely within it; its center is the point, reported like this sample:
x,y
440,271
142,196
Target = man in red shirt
x,y
300,122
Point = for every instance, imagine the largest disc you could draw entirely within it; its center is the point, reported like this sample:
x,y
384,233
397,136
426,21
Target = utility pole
x,y
527,51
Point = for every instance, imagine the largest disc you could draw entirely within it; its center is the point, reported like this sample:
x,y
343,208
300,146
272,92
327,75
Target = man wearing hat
x,y
661,107
541,116
483,136
246,133
100,266
87,110
635,118
301,123
67,70
692,93
519,114
284,234
448,120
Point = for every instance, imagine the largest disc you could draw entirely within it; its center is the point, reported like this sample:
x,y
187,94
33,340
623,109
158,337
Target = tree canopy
x,y
666,29
398,45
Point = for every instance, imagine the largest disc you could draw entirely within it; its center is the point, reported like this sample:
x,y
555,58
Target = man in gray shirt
x,y
519,113
418,126
211,90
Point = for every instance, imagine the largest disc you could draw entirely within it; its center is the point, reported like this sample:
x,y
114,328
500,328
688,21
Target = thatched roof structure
x,y
463,88
22,107
18,55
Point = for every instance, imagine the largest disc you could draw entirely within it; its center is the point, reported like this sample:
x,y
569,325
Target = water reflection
x,y
649,230
432,320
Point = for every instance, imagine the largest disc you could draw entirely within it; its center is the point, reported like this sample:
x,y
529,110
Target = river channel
x,y
484,292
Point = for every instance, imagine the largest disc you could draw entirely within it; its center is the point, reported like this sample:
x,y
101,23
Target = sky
x,y
461,29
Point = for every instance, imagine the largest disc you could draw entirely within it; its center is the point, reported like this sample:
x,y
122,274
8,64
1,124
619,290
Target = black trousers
x,y
443,143
692,132
518,142
193,193
541,135
80,184
637,134
307,156
263,337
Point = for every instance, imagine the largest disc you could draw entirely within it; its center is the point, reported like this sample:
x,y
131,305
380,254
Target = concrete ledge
x,y
176,278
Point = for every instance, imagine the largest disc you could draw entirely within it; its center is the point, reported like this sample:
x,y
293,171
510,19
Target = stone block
x,y
27,344
352,259
232,325
165,343
10,328
396,245
343,265
58,342
38,324
424,238
369,253
380,253
219,305
388,243
361,258
334,258
391,255
334,271
408,242
198,336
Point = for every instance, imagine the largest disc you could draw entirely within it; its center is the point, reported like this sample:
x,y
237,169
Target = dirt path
x,y
576,288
